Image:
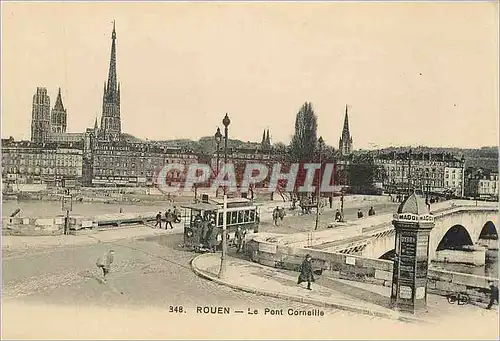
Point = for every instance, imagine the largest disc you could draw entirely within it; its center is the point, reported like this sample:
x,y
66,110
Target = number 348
x,y
176,309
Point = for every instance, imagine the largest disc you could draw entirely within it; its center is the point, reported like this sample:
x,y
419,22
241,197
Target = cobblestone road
x,y
153,273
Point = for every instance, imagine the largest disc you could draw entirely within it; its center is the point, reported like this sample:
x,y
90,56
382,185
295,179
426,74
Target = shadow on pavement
x,y
356,292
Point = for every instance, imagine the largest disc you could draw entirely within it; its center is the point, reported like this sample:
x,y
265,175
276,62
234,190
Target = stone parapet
x,y
362,269
52,226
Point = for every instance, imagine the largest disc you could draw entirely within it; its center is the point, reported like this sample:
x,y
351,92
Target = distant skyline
x,y
411,73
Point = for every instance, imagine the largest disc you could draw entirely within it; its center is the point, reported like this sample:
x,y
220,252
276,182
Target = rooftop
x,y
420,156
414,205
10,143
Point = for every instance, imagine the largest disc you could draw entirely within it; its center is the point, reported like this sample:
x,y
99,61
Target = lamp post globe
x,y
226,121
218,136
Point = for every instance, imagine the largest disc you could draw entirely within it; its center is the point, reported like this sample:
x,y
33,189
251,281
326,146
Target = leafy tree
x,y
304,141
363,173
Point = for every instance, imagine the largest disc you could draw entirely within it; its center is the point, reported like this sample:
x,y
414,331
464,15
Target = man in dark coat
x,y
493,295
211,236
158,220
338,216
169,217
306,272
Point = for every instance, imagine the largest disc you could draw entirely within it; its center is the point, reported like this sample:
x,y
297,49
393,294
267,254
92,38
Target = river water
x,y
490,269
52,208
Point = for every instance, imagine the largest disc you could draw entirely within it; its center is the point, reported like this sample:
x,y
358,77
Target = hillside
x,y
485,157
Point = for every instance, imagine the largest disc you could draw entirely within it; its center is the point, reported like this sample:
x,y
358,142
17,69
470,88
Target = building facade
x,y
128,164
40,116
482,184
425,171
66,137
25,162
241,157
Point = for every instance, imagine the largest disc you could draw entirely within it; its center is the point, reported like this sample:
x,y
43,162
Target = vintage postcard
x,y
250,170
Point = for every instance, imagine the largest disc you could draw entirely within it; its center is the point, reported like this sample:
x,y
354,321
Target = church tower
x,y
59,116
40,116
266,140
345,142
110,120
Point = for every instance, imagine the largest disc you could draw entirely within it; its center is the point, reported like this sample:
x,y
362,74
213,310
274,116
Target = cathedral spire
x,y
268,139
96,127
345,142
112,79
59,104
110,126
345,131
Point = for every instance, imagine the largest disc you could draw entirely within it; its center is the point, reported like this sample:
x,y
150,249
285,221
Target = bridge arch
x,y
456,236
489,231
389,255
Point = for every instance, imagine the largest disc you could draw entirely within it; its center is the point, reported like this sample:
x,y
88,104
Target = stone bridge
x,y
457,224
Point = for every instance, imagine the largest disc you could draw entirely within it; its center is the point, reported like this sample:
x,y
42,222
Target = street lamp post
x,y
218,139
342,204
222,272
226,122
320,143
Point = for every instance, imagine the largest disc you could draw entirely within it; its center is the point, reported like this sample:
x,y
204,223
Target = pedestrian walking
x,y
330,200
104,263
306,272
493,295
158,220
276,215
177,218
371,211
338,216
360,214
212,238
169,217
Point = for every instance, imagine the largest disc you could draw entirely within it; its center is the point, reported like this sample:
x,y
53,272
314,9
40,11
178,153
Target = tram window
x,y
252,216
246,216
228,217
240,217
234,217
220,219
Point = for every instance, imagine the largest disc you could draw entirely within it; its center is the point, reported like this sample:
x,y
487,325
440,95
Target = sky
x,y
410,73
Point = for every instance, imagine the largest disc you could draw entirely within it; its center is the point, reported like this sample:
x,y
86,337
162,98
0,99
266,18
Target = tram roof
x,y
201,206
220,201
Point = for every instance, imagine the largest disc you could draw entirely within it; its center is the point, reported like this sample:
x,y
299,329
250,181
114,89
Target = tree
x,y
304,141
362,174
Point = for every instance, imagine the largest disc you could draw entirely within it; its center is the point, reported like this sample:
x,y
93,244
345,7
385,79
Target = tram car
x,y
203,222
